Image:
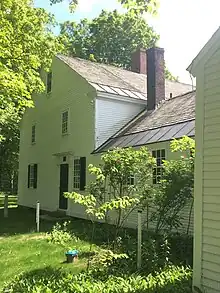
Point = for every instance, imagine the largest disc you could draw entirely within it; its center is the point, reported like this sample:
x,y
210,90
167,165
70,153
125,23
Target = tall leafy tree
x,y
26,44
109,38
134,6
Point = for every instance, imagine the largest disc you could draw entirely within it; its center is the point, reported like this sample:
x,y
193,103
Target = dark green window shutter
x,y
35,175
29,167
49,82
82,173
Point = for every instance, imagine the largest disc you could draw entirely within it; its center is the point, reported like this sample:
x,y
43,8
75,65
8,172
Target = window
x,y
159,155
130,180
49,82
65,122
32,176
79,173
33,134
76,174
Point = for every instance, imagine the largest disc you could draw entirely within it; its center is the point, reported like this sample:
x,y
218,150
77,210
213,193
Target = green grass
x,y
23,250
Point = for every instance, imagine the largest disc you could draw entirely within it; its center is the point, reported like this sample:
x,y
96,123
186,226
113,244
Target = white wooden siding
x,y
186,219
112,115
210,266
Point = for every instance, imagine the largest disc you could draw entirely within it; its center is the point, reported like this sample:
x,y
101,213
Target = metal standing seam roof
x,y
149,136
119,91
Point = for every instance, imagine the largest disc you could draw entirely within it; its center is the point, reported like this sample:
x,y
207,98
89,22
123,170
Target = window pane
x,y
76,174
154,154
158,171
31,178
65,122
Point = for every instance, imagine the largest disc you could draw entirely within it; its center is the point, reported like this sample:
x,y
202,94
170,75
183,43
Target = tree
x,y
9,147
176,186
109,38
134,6
26,45
121,184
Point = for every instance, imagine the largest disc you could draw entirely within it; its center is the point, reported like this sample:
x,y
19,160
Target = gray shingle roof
x,y
117,77
174,118
178,109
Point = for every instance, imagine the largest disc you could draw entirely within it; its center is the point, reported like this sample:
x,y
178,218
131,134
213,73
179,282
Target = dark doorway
x,y
64,175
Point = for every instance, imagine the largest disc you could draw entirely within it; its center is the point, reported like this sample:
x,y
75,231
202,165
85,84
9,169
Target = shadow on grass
x,y
21,220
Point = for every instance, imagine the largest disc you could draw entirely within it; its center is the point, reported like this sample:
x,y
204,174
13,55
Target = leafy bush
x,y
106,258
61,234
170,280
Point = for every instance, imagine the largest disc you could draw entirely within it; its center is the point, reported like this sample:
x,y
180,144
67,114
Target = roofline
x,y
140,145
192,67
96,151
59,56
112,96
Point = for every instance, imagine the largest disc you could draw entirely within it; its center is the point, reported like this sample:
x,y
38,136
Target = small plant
x,y
106,258
170,280
61,234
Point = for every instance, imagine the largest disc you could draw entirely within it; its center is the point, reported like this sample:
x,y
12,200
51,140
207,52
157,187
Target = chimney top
x,y
155,77
139,61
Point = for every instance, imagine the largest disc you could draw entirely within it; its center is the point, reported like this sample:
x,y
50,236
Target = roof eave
x,y
192,68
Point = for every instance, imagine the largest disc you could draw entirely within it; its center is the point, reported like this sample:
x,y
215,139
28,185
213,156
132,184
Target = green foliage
x,y
110,190
110,38
9,146
134,6
171,280
61,234
176,186
26,44
106,258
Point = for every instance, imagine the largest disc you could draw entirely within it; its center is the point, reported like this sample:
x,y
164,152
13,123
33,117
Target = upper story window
x,y
65,122
33,134
159,155
32,176
49,82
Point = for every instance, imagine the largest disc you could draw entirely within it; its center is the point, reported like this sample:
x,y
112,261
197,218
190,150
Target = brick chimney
x,y
155,77
139,61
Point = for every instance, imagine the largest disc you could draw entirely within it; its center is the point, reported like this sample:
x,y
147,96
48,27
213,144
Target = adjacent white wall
x,y
112,114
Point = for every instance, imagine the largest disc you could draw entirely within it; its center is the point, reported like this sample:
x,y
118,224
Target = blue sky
x,y
184,25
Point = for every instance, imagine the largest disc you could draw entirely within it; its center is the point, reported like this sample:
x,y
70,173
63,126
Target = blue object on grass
x,y
72,252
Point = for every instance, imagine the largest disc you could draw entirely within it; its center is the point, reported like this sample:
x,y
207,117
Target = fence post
x,y
139,231
6,206
38,216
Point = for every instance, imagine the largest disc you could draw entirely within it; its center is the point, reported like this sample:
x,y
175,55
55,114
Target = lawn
x,y
24,250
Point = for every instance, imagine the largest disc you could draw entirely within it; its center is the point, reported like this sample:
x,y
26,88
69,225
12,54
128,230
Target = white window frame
x,y
76,173
131,180
31,176
158,170
65,124
33,134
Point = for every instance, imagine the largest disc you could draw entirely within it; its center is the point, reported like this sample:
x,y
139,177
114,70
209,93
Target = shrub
x,y
170,280
61,234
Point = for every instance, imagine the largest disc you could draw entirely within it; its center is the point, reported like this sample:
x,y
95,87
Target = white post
x,y
139,231
38,216
6,206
